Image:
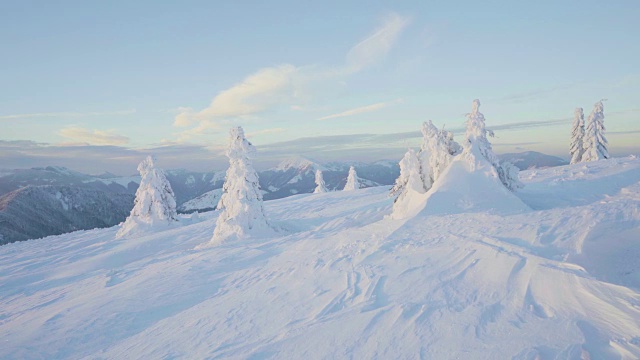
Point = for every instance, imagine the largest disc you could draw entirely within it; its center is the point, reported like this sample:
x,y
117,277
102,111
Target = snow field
x,y
483,278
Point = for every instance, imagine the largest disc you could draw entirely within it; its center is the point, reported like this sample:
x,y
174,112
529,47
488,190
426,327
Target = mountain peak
x,y
297,162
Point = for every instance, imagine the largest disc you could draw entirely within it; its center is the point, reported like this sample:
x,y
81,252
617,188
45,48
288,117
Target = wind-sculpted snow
x,y
556,281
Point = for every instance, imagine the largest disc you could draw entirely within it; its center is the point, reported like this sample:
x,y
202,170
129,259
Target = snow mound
x,y
466,188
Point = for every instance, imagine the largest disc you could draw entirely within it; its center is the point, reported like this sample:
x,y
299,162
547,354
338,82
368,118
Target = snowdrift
x,y
462,189
484,282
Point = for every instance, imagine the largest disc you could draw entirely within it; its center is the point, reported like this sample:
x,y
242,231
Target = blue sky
x,y
96,85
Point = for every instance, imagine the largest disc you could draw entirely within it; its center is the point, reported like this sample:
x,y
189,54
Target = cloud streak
x,y
286,84
360,110
93,137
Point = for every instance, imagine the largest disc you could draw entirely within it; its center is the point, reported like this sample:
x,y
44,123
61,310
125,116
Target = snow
x,y
218,176
122,180
559,279
295,179
155,203
208,200
353,183
297,162
241,207
467,188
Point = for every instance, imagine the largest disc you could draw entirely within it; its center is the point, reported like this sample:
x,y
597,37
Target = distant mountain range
x,y
53,200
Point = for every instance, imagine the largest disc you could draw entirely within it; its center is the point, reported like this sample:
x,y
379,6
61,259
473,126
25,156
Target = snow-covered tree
x,y
594,143
436,153
353,182
408,186
477,144
409,168
321,187
576,148
155,202
241,208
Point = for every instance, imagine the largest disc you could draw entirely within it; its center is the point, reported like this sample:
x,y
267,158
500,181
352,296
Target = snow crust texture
x,y
552,272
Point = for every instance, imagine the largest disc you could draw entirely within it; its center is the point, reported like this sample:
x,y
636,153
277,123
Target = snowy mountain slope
x,y
205,202
559,281
532,160
39,211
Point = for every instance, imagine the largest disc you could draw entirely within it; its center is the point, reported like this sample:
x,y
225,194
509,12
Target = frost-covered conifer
x,y
594,143
576,148
436,153
477,144
241,208
401,181
155,202
408,185
352,180
321,187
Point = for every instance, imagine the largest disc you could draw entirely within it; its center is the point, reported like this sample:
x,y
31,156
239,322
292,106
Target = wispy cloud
x,y
286,84
67,114
361,110
93,137
376,45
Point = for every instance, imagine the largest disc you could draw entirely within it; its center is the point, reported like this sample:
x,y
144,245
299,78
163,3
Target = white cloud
x,y
360,110
93,137
67,114
286,84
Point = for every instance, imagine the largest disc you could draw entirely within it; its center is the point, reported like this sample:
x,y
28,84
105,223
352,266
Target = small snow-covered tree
x,y
241,208
320,185
594,143
353,182
436,153
155,201
477,144
576,148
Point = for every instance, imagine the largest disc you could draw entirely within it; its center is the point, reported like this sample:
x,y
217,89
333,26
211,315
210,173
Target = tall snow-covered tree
x,y
155,202
576,148
320,185
241,208
594,143
353,182
477,144
436,153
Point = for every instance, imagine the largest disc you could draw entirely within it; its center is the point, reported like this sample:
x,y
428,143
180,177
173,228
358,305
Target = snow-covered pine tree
x,y
477,144
436,153
576,148
241,208
403,178
594,143
320,185
411,186
353,182
429,135
155,202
